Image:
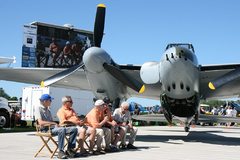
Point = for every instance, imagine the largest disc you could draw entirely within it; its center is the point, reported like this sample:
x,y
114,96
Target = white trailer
x,y
82,100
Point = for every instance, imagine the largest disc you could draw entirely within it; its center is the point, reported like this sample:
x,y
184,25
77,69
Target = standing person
x,y
66,114
229,113
96,119
123,117
43,117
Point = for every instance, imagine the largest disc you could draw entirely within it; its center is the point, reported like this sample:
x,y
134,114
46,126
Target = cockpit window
x,y
185,45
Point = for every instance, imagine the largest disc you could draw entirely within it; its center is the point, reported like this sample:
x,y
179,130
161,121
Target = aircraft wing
x,y
202,118
7,60
77,80
207,73
210,73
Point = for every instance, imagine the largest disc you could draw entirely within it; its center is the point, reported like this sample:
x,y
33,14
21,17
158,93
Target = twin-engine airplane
x,y
178,81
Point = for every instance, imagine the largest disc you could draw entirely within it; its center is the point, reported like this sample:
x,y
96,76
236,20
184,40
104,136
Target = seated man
x,y
117,133
96,119
66,114
43,117
123,117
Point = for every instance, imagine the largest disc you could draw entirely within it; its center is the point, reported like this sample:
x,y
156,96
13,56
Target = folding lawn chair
x,y
46,138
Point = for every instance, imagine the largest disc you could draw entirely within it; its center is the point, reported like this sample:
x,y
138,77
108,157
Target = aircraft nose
x,y
179,78
178,86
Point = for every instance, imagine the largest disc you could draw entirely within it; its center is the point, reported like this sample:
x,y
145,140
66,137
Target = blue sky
x,y
136,31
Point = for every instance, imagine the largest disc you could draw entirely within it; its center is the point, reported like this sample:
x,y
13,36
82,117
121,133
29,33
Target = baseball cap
x,y
45,97
99,102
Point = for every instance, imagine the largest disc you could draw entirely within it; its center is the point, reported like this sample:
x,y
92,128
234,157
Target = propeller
x,y
61,75
99,24
226,78
121,76
114,71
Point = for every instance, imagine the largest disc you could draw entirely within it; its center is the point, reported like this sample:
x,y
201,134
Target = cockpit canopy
x,y
185,45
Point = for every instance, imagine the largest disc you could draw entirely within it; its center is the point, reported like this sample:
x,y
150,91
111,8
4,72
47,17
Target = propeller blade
x,y
60,75
226,78
122,77
99,25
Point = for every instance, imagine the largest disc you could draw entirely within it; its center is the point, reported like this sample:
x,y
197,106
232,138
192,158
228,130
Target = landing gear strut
x,y
168,116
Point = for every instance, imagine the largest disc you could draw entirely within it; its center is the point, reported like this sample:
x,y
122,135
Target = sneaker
x,y
108,150
102,152
62,155
114,148
111,149
131,146
90,152
84,153
70,153
123,146
94,152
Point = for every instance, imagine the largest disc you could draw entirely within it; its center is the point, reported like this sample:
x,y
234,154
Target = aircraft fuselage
x,y
179,76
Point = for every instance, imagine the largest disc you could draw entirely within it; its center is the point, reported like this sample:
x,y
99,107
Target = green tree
x,y
214,103
13,98
5,95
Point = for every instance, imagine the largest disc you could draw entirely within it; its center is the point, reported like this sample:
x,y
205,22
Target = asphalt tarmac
x,y
153,142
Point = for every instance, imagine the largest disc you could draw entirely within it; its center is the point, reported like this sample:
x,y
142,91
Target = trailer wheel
x,y
4,120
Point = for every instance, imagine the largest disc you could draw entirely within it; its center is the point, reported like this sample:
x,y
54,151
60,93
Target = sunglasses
x,y
70,101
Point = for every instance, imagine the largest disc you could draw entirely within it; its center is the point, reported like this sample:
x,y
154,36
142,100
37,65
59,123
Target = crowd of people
x,y
106,131
227,110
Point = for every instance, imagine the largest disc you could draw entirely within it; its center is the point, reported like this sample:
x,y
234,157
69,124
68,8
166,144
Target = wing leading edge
x,y
77,80
209,73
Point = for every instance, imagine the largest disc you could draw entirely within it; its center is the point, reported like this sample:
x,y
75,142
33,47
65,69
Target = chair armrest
x,y
38,127
67,124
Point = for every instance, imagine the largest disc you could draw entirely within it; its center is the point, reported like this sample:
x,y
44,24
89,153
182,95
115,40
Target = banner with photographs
x,y
58,46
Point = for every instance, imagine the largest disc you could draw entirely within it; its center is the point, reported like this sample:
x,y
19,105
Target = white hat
x,y
99,102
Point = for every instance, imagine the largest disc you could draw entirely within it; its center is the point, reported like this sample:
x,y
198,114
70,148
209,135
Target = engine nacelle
x,y
94,58
150,72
